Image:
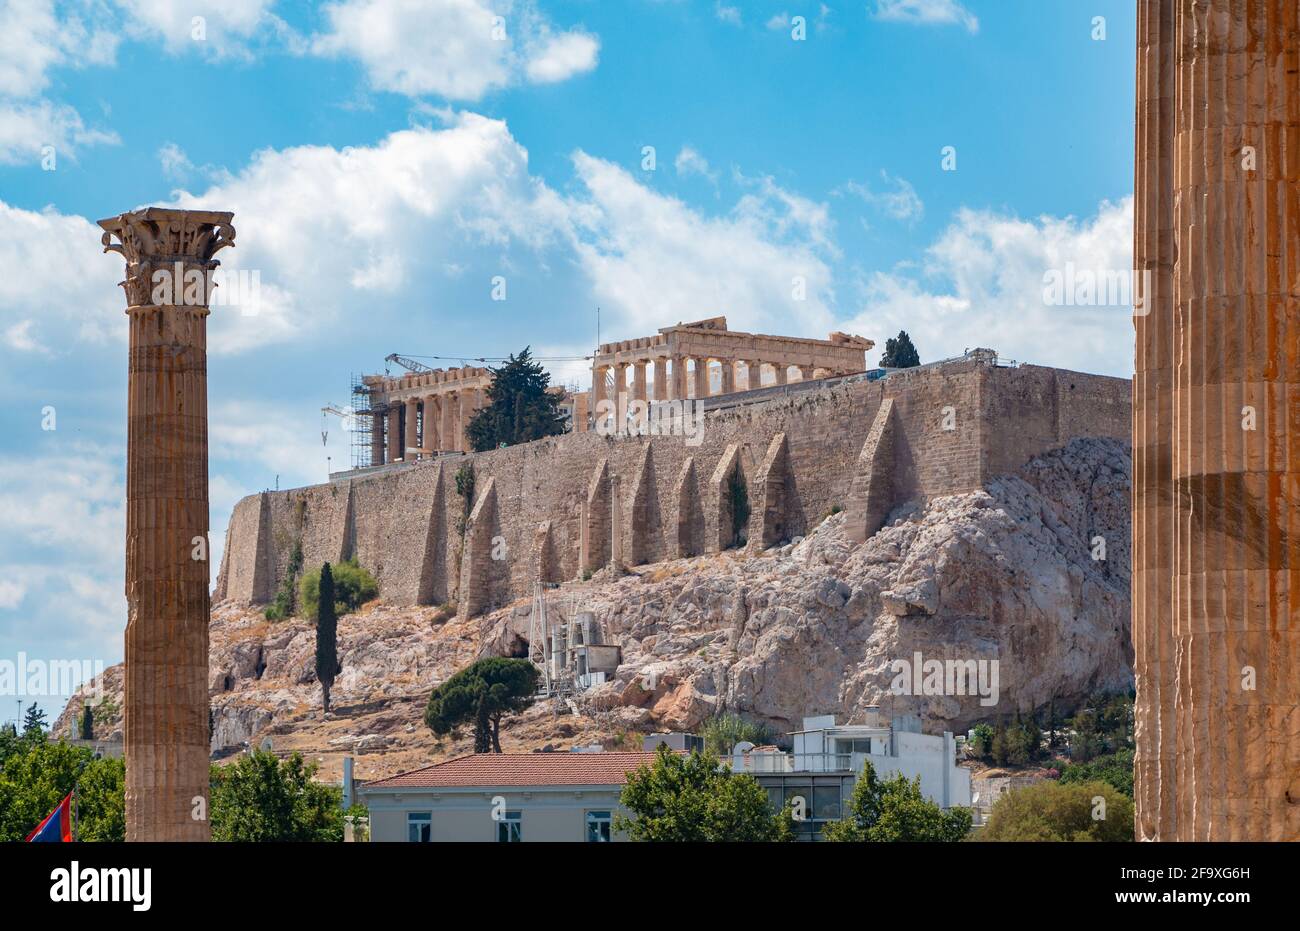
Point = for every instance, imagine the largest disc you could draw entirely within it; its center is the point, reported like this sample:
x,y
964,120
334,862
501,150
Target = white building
x,y
828,757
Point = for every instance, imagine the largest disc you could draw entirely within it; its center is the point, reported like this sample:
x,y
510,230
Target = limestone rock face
x,y
803,628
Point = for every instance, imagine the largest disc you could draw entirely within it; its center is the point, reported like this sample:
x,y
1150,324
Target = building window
x,y
510,829
600,827
419,827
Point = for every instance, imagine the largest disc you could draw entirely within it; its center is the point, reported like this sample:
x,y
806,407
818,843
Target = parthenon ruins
x,y
692,348
424,413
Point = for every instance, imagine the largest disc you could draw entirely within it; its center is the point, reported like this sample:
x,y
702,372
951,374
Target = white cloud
x,y
727,13
175,163
224,30
899,200
26,128
779,21
560,57
19,336
11,594
77,293
458,49
653,260
325,228
691,162
927,12
982,284
37,35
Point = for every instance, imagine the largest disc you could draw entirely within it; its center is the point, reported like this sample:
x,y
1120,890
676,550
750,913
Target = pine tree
x,y
34,721
87,723
519,409
327,647
899,353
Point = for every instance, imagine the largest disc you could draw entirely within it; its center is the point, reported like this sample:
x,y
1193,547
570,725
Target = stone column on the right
x,y
1222,706
1153,509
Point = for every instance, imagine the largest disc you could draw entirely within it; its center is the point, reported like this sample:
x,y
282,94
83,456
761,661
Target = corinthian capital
x,y
166,247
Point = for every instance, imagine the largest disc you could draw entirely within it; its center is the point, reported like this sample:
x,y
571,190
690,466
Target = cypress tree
x,y
327,647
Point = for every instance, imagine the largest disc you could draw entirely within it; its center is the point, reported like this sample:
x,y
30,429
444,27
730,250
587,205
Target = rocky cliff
x,y
1032,571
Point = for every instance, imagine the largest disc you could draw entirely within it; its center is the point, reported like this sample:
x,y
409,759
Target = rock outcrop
x,y
1032,571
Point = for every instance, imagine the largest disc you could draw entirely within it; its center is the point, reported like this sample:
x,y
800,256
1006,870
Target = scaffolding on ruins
x,y
362,422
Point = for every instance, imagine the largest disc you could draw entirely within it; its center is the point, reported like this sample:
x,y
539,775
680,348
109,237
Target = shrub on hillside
x,y
1053,811
723,731
353,587
1114,769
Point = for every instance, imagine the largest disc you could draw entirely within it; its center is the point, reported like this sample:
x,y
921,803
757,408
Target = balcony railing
x,y
770,761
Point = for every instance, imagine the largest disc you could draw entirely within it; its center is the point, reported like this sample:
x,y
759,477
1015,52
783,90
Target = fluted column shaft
x,y
410,439
1153,507
1234,611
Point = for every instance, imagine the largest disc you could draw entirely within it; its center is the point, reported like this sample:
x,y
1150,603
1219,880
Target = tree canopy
x,y
1052,811
518,409
482,693
899,352
691,798
353,587
894,810
35,775
260,797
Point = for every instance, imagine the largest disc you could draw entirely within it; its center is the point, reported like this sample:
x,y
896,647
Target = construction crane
x,y
407,363
345,414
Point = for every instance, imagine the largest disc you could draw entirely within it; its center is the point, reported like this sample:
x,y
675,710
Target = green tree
x,y
263,798
723,731
353,587
101,801
34,720
519,409
894,810
1114,769
327,640
981,741
1052,811
691,798
899,352
87,726
482,693
34,779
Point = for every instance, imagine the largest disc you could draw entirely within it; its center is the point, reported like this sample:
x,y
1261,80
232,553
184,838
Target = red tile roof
x,y
521,769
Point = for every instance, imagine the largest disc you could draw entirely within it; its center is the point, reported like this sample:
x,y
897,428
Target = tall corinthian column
x,y
169,260
1232,621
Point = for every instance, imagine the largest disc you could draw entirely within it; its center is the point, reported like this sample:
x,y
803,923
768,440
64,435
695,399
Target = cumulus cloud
x,y
983,283
324,228
35,37
218,30
927,13
654,260
457,49
38,282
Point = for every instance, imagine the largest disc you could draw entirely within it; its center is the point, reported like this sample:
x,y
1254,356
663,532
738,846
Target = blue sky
x,y
386,159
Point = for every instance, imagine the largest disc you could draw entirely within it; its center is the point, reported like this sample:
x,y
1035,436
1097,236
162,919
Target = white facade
x,y
825,747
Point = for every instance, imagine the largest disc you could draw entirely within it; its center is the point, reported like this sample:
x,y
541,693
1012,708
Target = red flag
x,y
57,826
